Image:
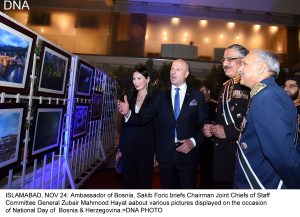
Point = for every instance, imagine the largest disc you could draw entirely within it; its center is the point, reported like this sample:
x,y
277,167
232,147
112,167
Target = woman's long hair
x,y
143,70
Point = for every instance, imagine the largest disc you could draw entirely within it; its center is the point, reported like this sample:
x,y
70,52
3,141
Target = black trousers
x,y
137,171
180,172
206,164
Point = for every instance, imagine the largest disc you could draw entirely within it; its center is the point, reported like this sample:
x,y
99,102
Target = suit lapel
x,y
169,102
132,104
185,101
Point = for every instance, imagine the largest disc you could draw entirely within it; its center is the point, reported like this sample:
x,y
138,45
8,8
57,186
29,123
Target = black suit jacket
x,y
193,115
137,139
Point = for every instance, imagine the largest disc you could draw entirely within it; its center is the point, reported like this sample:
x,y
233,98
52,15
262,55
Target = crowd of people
x,y
247,138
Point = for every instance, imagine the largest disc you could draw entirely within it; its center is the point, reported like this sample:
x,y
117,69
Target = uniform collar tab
x,y
257,88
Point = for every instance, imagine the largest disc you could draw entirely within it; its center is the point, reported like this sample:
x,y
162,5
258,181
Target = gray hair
x,y
270,59
241,49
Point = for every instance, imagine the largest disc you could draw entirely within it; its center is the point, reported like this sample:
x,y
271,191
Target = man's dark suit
x,y
193,115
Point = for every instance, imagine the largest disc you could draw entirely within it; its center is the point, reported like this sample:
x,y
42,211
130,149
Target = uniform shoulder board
x,y
257,89
237,79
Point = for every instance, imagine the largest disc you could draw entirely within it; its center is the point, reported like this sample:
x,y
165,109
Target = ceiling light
x,y
175,20
256,27
230,25
203,23
273,29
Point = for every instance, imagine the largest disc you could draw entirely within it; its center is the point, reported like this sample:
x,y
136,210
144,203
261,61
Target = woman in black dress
x,y
136,147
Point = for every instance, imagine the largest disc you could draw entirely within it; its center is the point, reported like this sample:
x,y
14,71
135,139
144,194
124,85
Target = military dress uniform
x,y
268,154
232,107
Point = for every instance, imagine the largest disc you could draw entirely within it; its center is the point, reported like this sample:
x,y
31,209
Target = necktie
x,y
176,107
176,103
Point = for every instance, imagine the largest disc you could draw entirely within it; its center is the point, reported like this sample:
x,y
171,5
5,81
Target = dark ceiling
x,y
285,12
291,7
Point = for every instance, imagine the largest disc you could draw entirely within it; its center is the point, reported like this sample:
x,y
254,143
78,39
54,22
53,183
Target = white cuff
x,y
127,118
193,141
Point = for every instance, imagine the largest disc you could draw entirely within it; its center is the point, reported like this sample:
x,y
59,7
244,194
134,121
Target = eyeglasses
x,y
229,59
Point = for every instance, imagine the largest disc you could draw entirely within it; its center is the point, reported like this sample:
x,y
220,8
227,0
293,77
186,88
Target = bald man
x,y
180,113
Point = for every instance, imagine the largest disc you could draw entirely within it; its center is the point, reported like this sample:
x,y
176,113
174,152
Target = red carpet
x,y
107,178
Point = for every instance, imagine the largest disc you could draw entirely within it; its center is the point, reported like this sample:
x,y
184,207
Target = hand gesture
x,y
123,107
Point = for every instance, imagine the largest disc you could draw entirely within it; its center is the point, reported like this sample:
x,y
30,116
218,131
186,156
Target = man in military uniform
x,y
206,150
292,87
268,154
231,110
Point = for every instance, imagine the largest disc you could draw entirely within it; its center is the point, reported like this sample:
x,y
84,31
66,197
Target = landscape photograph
x,y
53,72
97,105
10,133
15,48
47,129
80,120
84,80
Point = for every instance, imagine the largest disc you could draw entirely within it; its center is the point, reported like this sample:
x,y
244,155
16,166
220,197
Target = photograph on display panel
x,y
16,52
53,72
97,105
48,121
12,124
98,83
80,120
85,79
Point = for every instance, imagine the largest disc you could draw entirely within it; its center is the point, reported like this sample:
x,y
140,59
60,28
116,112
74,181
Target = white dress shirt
x,y
182,92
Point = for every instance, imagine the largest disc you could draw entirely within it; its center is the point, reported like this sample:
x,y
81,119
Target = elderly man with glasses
x,y
268,154
231,110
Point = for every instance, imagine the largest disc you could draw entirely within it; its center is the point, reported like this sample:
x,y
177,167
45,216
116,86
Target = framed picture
x,y
80,120
85,79
98,81
53,72
47,126
97,105
16,51
12,122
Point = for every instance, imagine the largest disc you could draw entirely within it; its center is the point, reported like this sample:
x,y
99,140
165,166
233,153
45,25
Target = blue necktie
x,y
177,103
176,107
